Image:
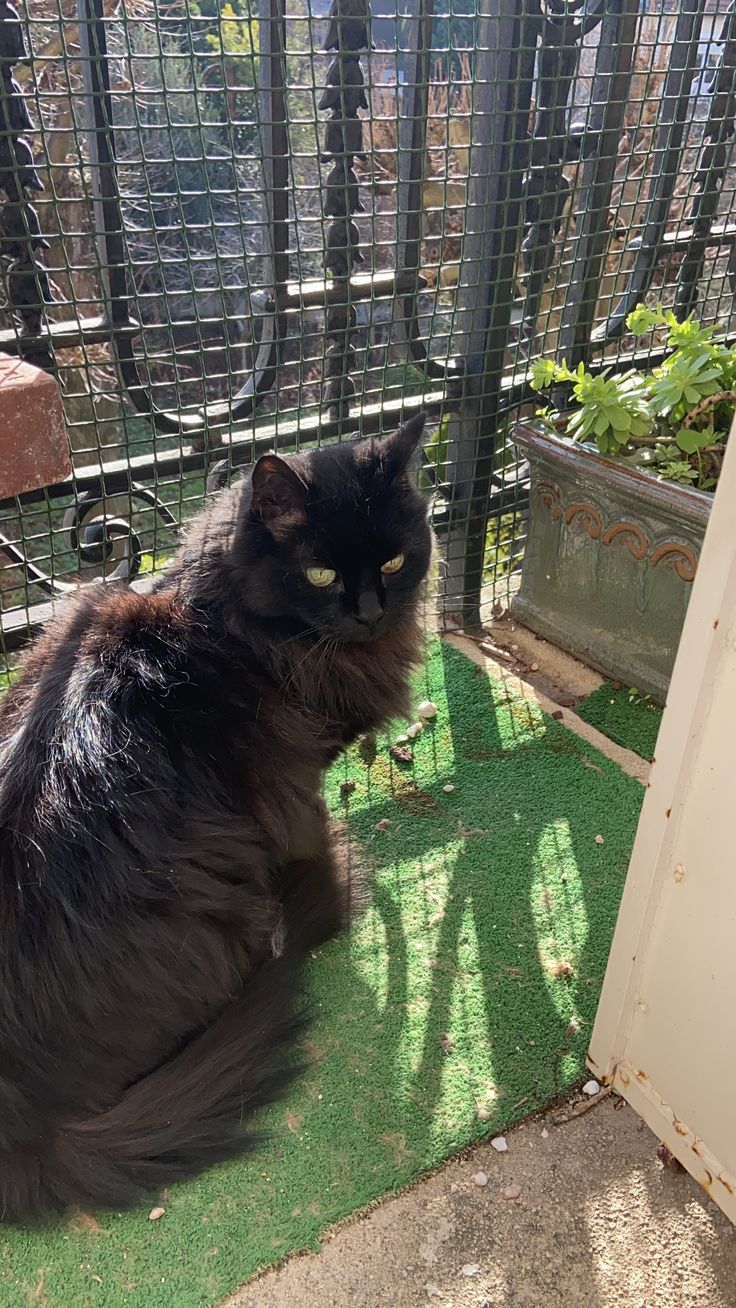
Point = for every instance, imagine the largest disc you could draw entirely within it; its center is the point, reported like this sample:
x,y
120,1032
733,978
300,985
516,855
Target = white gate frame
x,y
665,1031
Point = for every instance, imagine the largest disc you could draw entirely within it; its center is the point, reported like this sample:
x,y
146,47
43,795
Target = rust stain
x,y
680,1129
642,1076
715,624
726,1184
624,1078
668,813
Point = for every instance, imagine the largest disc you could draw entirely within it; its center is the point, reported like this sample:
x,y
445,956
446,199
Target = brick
x,y
34,446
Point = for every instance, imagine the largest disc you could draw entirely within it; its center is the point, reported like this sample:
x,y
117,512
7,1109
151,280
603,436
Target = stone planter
x,y
610,559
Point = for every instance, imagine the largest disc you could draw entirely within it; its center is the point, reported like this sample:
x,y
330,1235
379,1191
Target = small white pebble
x,y
591,1088
499,1144
534,667
512,1192
427,710
433,1291
470,1269
545,1133
413,731
484,1114
599,840
480,1178
514,647
155,1213
448,789
383,825
402,740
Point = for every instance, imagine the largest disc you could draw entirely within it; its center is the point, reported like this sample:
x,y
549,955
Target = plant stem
x,y
651,440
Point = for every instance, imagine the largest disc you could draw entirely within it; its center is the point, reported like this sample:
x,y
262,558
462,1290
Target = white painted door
x,y
665,1032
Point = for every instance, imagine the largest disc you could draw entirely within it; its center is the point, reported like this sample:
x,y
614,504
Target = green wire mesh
x,y
518,178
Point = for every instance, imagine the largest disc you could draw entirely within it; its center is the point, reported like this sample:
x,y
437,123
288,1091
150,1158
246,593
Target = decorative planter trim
x,y
690,505
682,556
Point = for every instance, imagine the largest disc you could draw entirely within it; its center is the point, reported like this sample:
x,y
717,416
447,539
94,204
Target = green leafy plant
x,y
673,421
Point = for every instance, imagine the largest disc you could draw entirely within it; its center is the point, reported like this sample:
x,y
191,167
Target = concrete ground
x,y
575,1215
598,1222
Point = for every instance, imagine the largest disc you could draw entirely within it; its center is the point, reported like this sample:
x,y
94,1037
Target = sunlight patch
x,y
467,1081
560,916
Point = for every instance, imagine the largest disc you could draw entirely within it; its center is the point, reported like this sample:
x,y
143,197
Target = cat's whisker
x,y
312,650
300,635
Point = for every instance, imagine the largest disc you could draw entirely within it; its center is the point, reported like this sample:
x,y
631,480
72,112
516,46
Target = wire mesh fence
x,y
229,229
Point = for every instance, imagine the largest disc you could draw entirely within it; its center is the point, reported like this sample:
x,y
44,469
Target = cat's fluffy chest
x,y
362,685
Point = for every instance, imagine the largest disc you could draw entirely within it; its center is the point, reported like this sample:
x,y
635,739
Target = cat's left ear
x,y
279,494
401,450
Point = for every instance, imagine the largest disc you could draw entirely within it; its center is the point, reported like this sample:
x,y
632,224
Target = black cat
x,y
165,858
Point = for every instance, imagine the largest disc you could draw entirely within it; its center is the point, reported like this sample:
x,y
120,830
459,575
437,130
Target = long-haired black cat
x,y
165,859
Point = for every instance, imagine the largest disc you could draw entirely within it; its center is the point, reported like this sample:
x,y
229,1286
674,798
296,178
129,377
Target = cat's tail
x,y
175,1122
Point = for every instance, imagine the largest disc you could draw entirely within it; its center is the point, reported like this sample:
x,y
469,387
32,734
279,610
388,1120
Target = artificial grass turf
x,y
461,1001
631,720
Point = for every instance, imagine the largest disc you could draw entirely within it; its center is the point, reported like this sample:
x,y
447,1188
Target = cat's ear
x,y
279,494
401,450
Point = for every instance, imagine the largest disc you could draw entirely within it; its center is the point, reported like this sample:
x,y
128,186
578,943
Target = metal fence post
x,y
506,37
605,119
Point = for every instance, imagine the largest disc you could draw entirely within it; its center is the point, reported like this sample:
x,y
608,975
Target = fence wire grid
x,y
228,229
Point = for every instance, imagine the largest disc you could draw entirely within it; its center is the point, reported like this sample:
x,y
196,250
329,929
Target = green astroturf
x,y
461,1001
632,720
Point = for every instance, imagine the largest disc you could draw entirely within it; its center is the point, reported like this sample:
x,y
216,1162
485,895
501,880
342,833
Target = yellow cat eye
x,y
321,576
394,565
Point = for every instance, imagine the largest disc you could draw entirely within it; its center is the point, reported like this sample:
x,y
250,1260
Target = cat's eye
x,y
394,565
321,576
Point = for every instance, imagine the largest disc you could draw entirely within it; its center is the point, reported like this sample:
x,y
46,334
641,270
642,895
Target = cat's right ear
x,y
401,451
279,494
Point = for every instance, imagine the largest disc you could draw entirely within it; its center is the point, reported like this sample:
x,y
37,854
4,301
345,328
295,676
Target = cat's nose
x,y
370,611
